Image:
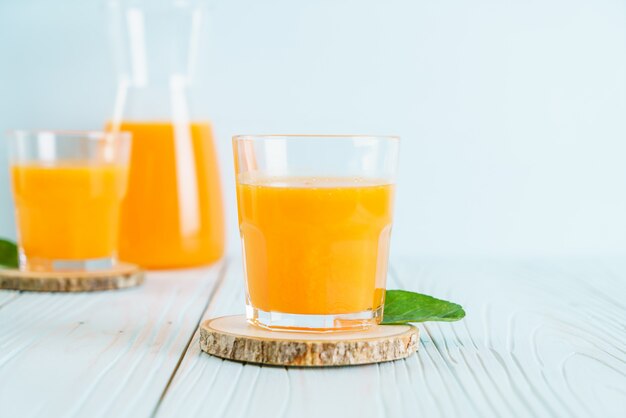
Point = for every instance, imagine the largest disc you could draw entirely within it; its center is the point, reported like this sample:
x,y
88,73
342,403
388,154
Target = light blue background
x,y
512,113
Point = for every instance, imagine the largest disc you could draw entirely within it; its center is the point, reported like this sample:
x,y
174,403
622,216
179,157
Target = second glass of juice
x,y
315,215
68,188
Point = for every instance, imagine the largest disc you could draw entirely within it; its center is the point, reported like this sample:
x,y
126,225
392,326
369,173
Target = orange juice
x,y
315,245
68,211
172,215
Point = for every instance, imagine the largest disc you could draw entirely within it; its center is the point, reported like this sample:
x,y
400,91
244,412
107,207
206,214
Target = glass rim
x,y
90,135
248,137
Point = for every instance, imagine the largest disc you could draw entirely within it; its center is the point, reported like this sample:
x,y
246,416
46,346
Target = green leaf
x,y
402,306
8,254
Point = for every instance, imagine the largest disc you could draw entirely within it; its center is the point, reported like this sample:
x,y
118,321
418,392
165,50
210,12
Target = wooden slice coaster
x,y
232,338
118,277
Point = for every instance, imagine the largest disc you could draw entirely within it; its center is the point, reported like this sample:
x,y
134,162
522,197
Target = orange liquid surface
x,y
315,245
172,215
68,211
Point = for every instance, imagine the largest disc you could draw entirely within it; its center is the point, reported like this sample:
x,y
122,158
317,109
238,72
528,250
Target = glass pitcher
x,y
172,215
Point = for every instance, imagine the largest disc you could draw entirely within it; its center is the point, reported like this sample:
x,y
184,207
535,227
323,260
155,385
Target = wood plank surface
x,y
541,338
98,354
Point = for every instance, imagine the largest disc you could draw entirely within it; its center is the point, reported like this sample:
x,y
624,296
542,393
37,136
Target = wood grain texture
x,y
98,354
7,297
541,339
121,276
232,338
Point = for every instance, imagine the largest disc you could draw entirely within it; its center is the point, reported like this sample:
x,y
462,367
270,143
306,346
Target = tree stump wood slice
x,y
232,338
118,277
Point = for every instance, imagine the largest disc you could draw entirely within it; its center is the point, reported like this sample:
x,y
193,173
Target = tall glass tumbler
x,y
315,215
68,187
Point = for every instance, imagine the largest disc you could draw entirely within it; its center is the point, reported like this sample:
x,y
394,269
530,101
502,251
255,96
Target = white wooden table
x,y
541,338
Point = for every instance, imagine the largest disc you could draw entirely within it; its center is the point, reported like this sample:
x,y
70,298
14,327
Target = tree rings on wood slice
x,y
232,338
118,277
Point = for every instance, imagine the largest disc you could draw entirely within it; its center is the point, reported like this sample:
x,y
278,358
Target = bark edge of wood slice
x,y
120,276
232,338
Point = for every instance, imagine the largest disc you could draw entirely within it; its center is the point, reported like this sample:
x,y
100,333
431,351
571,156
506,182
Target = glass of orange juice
x,y
315,216
68,187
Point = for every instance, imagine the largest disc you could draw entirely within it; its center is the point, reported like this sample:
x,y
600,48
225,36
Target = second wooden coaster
x,y
118,277
232,338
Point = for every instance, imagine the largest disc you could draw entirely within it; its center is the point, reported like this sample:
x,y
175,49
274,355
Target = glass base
x,y
279,321
46,264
